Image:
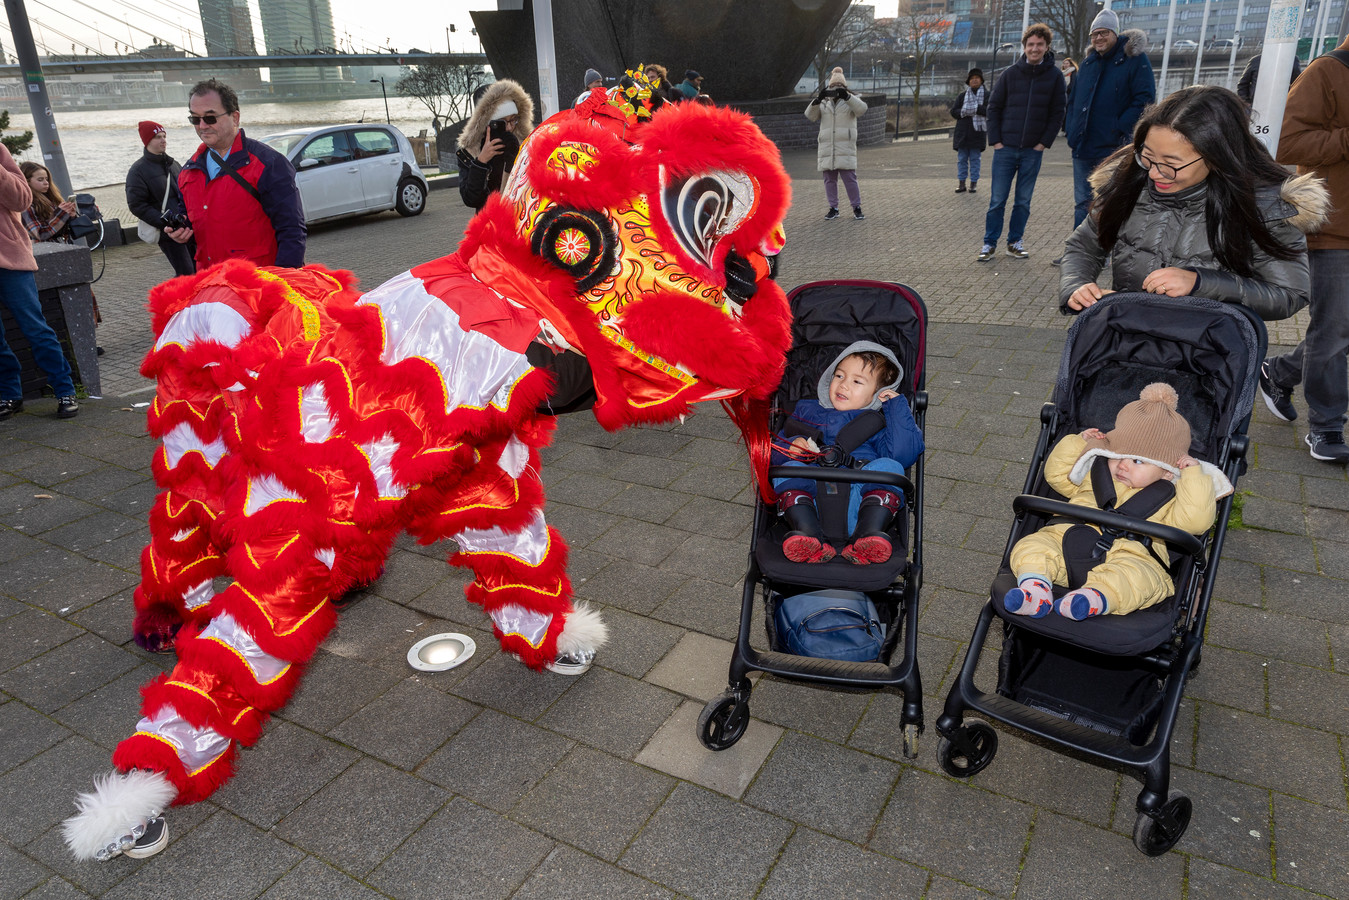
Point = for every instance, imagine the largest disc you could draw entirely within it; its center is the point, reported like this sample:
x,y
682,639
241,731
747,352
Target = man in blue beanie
x,y
1112,86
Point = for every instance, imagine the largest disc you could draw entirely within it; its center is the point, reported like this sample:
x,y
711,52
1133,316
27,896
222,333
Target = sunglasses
x,y
209,120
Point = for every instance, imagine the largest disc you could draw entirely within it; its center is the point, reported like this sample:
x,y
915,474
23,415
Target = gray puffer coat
x,y
1171,231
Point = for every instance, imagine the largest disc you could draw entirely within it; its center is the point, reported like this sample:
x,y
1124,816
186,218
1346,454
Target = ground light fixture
x,y
441,652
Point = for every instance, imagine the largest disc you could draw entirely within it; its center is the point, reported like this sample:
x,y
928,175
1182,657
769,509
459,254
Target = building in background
x,y
228,28
300,26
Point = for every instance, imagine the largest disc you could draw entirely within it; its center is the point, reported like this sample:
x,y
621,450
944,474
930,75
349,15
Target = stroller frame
x,y
725,718
968,747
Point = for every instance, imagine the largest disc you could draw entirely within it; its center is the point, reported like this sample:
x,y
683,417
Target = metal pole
x,y
44,123
1276,68
380,79
1199,51
1319,38
547,56
1025,15
1166,52
1236,39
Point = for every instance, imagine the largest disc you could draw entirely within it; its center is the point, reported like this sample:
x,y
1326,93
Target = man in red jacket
x,y
239,194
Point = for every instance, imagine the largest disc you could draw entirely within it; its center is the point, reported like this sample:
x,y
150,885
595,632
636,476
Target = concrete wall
x,y
784,121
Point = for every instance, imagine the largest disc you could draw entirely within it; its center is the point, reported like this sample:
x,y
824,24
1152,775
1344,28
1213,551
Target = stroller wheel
x,y
723,721
1158,833
969,750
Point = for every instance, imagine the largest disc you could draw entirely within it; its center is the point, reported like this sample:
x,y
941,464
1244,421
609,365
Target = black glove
x,y
740,277
824,94
841,93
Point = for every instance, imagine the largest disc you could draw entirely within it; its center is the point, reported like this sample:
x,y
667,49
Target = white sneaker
x,y
575,663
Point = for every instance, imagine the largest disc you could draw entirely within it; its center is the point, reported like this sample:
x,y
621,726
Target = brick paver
x,y
491,781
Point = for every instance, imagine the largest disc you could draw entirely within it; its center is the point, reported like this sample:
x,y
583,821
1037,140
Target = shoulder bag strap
x,y
234,173
1341,55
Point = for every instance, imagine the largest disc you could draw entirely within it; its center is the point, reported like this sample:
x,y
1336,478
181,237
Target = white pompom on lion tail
x,y
118,803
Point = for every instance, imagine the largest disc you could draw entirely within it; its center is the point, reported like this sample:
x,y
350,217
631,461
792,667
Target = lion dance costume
x,y
305,424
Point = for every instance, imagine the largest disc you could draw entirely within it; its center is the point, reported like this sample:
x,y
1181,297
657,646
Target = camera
x,y
175,220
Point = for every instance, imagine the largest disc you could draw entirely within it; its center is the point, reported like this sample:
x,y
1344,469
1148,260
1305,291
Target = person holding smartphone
x,y
501,120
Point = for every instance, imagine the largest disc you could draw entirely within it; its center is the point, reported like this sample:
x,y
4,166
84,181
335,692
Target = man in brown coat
x,y
1316,138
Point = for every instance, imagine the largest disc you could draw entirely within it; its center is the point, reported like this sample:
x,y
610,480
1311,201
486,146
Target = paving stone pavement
x,y
489,781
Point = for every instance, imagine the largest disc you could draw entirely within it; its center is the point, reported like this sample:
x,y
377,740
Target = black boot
x,y
973,186
870,542
805,541
961,189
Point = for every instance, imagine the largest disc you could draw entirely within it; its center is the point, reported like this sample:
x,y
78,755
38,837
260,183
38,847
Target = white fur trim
x,y
119,802
1221,486
583,631
1083,465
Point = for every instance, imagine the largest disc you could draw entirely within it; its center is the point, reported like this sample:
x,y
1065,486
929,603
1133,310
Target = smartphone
x,y
496,130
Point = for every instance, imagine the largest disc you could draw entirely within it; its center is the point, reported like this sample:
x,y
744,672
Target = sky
x,y
108,24
105,25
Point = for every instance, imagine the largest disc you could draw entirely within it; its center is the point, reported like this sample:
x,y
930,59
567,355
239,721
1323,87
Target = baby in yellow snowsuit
x,y
1150,443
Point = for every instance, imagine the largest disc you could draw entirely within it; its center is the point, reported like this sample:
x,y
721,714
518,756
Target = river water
x,y
100,145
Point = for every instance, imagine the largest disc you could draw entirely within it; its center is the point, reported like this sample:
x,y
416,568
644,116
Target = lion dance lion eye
x,y
581,242
702,209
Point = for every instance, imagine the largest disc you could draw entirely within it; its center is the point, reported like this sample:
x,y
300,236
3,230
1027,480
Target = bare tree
x,y
1070,21
857,31
920,38
445,89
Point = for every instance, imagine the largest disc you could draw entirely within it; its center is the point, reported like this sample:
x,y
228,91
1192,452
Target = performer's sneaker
x,y
145,839
575,663
155,838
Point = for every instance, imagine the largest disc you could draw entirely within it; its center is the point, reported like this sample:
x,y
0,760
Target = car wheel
x,y
410,199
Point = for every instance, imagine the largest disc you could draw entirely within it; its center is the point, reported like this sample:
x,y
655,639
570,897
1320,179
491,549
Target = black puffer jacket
x,y
478,181
1167,231
1027,104
145,182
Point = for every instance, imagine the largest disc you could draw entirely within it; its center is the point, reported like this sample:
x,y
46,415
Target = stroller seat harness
x,y
1084,547
854,434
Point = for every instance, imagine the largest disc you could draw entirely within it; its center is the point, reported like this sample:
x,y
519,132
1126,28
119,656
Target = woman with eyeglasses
x,y
1196,207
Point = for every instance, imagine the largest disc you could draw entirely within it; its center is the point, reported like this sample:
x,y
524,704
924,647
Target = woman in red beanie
x,y
146,183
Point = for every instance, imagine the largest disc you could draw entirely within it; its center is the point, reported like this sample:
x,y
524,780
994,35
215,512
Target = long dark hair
x,y
44,205
1217,124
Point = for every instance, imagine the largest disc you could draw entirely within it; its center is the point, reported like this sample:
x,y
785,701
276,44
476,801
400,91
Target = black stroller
x,y
1110,687
827,317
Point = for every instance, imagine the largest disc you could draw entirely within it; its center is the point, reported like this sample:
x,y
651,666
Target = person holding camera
x,y
240,200
837,110
152,196
502,119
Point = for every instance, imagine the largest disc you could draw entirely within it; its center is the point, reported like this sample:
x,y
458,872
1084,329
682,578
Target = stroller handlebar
x,y
1180,541
847,476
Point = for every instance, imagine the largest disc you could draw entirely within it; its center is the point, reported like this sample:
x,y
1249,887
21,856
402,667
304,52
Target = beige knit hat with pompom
x,y
1149,428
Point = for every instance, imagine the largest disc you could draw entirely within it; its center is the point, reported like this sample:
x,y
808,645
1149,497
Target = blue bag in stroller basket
x,y
830,624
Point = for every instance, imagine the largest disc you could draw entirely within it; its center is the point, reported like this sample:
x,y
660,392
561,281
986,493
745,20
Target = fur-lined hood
x,y
1302,199
471,137
1135,41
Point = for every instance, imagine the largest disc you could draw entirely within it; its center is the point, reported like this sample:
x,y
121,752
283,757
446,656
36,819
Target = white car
x,y
349,170
1184,45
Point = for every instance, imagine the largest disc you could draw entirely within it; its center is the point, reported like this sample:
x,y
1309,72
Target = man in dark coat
x,y
1024,115
146,183
1112,86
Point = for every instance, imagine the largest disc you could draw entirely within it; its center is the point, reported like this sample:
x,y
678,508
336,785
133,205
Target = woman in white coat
x,y
837,110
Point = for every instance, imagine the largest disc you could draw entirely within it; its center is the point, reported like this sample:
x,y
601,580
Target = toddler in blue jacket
x,y
862,380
